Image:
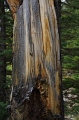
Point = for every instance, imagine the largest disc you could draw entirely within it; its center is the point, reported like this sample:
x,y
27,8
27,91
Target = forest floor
x,y
71,99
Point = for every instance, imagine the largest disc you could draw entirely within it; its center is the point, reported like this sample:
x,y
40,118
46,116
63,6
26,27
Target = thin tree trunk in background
x,y
36,89
2,48
58,14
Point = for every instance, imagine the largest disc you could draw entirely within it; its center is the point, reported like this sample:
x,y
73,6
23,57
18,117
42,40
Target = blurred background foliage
x,y
6,37
69,34
69,23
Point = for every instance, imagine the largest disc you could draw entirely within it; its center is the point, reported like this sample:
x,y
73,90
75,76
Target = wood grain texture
x,y
13,5
36,62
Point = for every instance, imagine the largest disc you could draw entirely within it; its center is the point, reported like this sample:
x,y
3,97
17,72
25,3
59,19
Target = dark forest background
x,y
69,35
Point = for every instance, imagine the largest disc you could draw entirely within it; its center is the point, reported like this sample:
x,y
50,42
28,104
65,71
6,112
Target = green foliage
x,y
6,34
70,56
8,82
9,36
70,36
3,112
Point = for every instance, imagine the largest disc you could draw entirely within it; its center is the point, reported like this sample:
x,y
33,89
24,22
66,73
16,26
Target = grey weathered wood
x,y
36,62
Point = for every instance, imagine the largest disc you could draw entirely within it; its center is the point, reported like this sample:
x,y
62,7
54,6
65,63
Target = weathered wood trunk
x,y
36,90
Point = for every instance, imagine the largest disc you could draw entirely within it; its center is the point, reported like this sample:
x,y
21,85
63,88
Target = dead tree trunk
x,y
36,89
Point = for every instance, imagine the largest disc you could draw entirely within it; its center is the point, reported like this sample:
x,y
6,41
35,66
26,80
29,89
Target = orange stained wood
x,y
43,72
46,36
57,89
37,67
50,99
51,2
13,5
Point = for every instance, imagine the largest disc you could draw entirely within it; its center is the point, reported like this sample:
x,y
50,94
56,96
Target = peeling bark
x,y
36,63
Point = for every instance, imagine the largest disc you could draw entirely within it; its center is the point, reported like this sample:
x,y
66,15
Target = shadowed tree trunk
x,y
36,85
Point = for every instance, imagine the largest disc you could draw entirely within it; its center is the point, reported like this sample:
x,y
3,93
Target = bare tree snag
x,y
36,90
